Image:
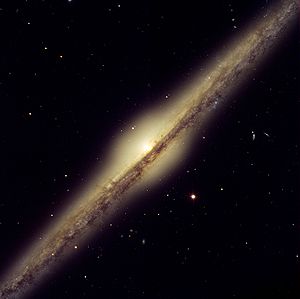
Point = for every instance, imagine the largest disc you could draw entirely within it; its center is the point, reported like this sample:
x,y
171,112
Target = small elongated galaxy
x,y
160,138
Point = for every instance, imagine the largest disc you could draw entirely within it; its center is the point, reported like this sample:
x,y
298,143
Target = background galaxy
x,y
74,73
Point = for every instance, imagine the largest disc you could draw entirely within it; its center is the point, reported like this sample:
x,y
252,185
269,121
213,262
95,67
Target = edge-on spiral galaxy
x,y
149,150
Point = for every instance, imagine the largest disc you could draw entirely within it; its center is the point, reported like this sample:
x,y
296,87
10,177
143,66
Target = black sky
x,y
74,74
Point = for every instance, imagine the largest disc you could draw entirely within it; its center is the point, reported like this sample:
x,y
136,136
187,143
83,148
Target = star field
x,y
225,224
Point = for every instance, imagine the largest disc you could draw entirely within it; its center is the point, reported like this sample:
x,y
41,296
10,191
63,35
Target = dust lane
x,y
242,56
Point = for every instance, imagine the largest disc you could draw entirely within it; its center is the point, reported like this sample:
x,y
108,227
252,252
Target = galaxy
x,y
146,155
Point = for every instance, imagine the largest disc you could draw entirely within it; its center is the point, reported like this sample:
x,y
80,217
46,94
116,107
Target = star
x,y
193,196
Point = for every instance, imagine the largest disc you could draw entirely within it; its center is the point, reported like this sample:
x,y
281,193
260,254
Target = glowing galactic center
x,y
152,147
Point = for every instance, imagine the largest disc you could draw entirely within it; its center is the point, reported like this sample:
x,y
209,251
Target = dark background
x,y
73,74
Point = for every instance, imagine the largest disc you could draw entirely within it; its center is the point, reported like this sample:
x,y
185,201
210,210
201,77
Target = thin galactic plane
x,y
152,150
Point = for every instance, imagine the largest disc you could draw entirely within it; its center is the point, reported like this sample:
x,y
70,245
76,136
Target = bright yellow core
x,y
147,147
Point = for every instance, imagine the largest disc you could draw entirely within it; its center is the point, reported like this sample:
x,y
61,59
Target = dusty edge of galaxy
x,y
195,105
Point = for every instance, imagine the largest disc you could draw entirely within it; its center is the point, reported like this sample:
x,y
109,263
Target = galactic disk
x,y
149,151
